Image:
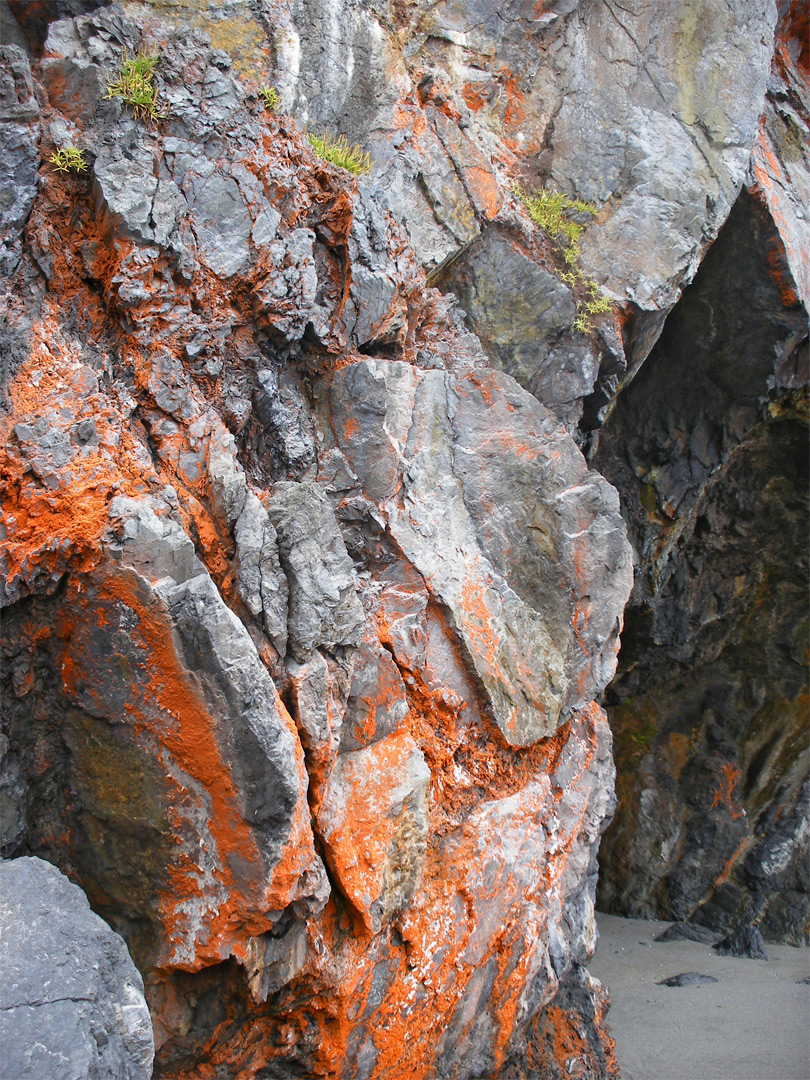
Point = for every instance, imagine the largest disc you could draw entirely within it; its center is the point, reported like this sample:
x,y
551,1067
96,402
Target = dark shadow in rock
x,y
684,931
35,16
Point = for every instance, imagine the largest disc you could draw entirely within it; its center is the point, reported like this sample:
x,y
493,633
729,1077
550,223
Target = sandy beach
x,y
752,1024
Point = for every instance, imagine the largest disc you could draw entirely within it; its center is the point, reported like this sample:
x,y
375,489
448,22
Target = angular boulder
x,y
71,1000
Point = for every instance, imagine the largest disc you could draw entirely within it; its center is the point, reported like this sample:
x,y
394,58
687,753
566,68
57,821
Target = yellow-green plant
x,y
271,98
338,151
135,84
68,158
552,211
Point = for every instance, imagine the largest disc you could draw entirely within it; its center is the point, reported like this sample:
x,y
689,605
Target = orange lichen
x,y
175,725
725,873
730,778
473,96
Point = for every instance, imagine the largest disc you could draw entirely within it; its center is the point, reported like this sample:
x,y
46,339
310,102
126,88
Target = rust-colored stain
x,y
724,795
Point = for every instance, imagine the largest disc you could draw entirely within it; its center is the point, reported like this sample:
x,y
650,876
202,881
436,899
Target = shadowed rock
x,y
682,931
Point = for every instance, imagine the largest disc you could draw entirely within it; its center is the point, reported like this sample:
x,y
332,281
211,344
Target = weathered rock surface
x,y
306,608
688,978
309,592
744,941
708,447
71,1000
682,931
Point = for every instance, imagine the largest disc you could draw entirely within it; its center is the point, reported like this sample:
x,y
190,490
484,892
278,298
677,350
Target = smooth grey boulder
x,y
71,1000
687,978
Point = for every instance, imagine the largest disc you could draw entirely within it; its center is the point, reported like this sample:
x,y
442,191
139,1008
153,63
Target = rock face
x,y
307,608
710,703
310,594
71,1000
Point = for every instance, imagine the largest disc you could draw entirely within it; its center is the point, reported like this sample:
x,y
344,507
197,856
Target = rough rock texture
x,y
306,607
708,446
651,113
310,594
71,1000
745,941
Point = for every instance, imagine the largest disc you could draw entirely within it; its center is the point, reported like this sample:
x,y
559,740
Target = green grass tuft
x,y
271,98
336,150
551,210
135,85
67,159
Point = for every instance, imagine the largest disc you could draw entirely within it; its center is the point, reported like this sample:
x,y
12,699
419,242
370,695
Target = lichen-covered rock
x,y
305,606
476,484
71,1000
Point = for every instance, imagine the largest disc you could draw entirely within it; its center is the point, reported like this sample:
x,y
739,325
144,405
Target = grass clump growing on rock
x,y
271,98
135,85
68,158
338,151
552,211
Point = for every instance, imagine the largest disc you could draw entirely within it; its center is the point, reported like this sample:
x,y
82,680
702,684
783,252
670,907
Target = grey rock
x,y
18,148
687,978
335,65
229,487
274,959
324,609
262,584
221,221
151,540
13,800
744,941
75,85
282,411
124,182
319,689
71,1000
491,515
315,711
518,310
18,103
